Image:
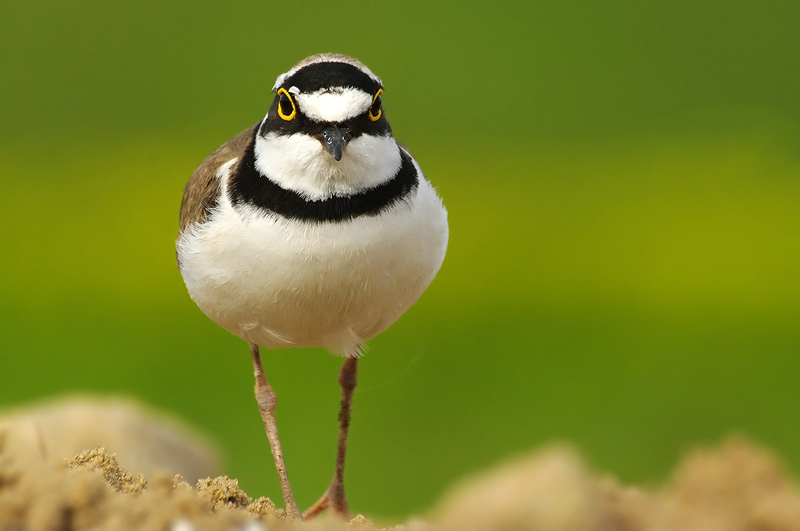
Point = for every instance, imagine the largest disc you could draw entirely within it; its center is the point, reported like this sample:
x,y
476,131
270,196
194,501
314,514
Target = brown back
x,y
201,193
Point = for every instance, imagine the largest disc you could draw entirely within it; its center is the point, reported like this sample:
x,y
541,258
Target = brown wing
x,y
201,193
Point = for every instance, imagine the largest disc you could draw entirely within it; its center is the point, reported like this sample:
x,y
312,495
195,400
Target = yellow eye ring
x,y
375,117
282,93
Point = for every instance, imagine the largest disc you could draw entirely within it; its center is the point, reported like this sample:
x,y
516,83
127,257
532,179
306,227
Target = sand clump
x,y
108,467
550,489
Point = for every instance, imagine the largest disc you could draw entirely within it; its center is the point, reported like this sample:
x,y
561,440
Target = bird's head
x,y
327,124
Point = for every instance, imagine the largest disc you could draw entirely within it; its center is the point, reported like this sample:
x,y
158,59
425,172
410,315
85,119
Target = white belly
x,y
278,282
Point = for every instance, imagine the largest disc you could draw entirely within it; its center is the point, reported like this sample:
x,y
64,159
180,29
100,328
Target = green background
x,y
622,180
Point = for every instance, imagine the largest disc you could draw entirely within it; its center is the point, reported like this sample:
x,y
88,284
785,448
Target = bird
x,y
312,228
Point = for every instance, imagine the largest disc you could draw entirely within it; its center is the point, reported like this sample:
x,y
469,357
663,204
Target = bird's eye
x,y
286,108
375,110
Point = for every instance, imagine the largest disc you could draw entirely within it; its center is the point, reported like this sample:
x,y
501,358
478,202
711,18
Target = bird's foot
x,y
333,498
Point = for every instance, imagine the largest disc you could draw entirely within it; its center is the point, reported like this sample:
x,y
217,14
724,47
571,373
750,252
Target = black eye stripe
x,y
279,122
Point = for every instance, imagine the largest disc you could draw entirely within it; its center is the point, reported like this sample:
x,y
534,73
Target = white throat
x,y
298,162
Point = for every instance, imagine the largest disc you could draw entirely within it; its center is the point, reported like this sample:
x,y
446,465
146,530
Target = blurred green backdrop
x,y
623,186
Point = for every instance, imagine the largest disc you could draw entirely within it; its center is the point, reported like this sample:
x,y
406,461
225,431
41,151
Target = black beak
x,y
334,140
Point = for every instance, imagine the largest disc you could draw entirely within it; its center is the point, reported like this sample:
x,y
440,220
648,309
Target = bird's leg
x,y
334,497
266,399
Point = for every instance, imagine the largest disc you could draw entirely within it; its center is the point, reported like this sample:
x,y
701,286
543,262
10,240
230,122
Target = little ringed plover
x,y
312,228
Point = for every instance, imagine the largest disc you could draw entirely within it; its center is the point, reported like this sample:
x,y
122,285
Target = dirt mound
x,y
91,491
736,487
143,440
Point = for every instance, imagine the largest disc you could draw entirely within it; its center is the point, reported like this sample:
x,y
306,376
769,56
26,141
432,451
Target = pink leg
x,y
334,497
266,399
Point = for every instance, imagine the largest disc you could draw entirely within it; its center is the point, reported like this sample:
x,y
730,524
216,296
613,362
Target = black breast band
x,y
248,186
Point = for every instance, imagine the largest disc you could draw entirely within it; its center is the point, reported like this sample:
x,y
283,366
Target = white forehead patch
x,y
335,104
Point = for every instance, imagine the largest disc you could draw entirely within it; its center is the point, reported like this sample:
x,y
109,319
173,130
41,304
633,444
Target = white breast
x,y
278,282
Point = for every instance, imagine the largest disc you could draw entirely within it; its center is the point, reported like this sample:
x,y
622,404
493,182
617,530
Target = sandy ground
x,y
736,486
